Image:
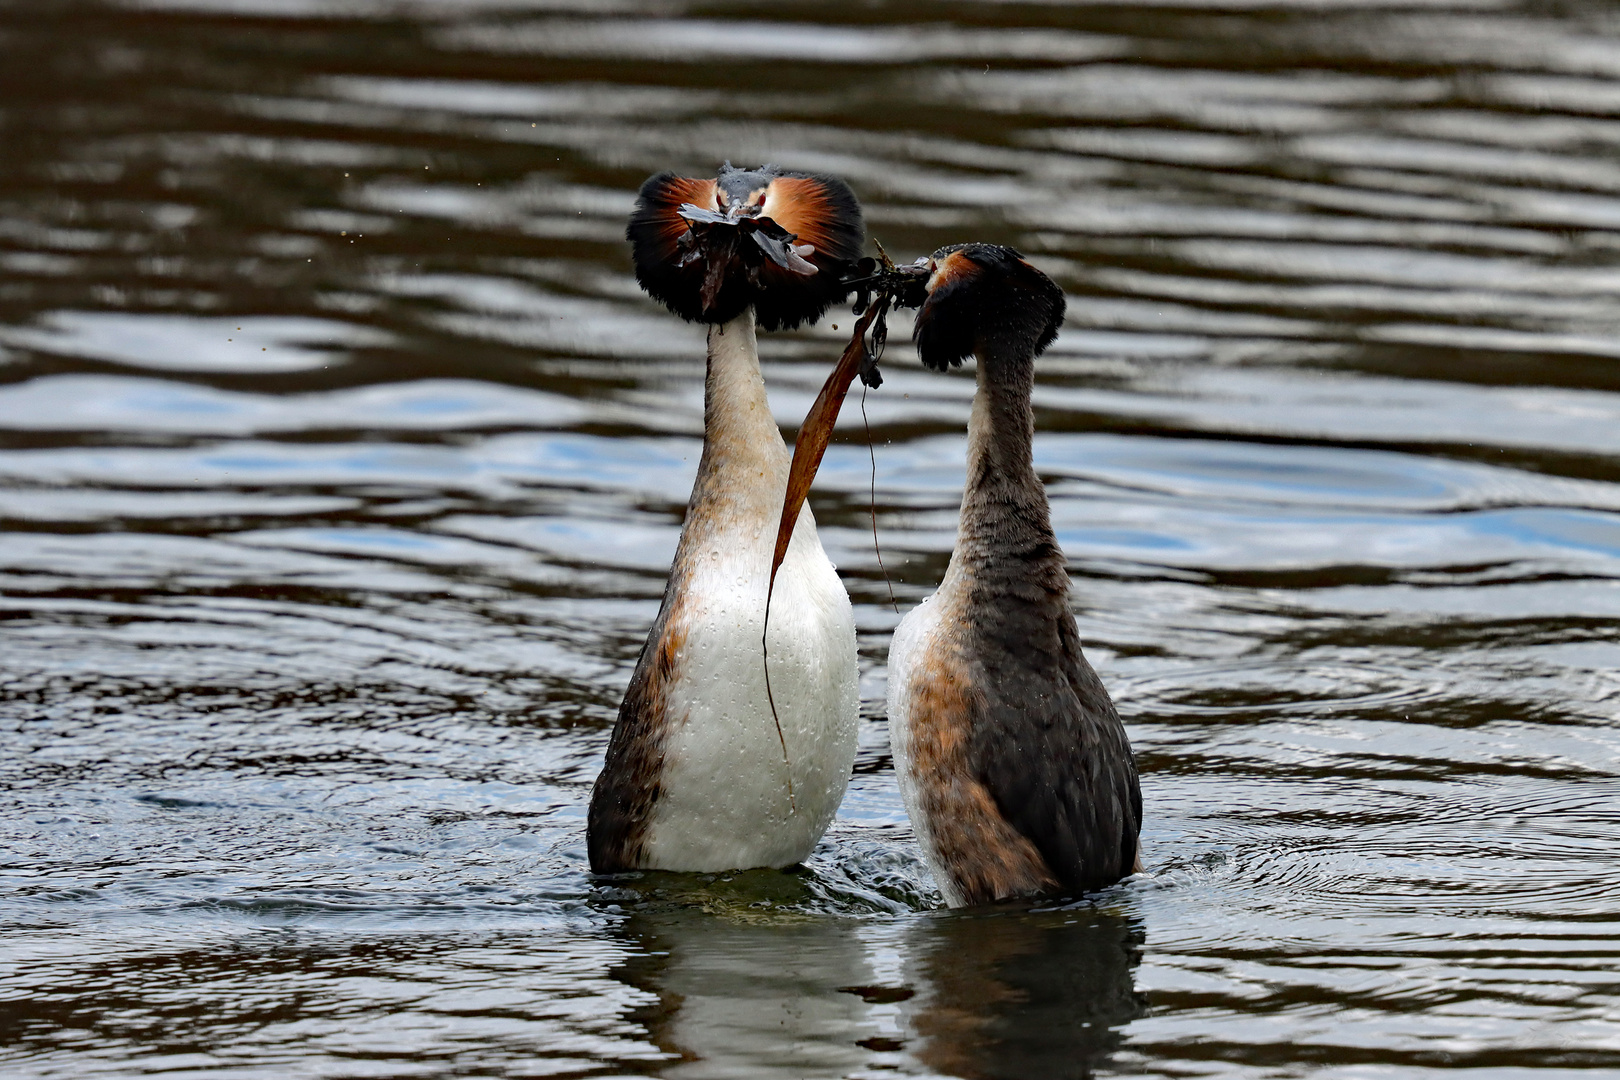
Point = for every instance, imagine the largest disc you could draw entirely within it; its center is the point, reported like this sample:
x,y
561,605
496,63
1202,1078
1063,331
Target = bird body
x,y
1013,764
701,773
696,729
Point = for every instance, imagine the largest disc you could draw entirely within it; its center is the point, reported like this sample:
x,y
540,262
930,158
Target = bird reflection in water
x,y
743,981
1020,994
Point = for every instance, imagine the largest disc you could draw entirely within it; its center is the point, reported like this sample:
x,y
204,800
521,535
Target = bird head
x,y
985,299
780,242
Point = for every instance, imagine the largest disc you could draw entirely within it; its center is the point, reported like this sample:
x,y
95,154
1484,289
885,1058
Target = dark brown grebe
x,y
1012,762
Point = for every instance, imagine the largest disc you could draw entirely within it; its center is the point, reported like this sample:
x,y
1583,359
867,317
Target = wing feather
x,y
628,787
1051,749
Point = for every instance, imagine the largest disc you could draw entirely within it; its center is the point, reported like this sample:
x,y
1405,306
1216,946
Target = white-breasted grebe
x,y
699,775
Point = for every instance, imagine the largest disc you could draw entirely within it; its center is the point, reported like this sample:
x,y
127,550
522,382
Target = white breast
x,y
723,800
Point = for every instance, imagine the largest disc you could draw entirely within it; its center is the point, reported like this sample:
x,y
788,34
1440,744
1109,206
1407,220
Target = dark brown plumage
x,y
1015,765
627,789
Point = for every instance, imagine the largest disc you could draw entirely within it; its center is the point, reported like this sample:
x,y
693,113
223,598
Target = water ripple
x,y
341,461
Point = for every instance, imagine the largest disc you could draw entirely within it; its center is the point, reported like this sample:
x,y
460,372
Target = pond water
x,y
341,463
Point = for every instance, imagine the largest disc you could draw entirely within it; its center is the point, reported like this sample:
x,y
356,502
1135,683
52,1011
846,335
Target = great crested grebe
x,y
701,773
1013,765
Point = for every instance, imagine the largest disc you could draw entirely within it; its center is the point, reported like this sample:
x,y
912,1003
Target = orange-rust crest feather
x,y
660,204
818,214
656,231
985,294
953,270
710,269
822,212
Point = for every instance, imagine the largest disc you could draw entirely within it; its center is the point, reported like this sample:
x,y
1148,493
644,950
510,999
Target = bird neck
x,y
1005,541
743,474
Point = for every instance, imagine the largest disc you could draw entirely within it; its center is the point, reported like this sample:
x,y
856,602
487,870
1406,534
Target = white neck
x,y
743,474
723,793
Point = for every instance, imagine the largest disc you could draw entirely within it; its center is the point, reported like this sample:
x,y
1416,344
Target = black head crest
x,y
778,241
985,298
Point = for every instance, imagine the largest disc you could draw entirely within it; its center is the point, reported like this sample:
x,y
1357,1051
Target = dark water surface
x,y
341,462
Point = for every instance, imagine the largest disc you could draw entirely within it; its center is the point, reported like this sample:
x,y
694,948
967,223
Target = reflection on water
x,y
1009,993
1015,996
341,461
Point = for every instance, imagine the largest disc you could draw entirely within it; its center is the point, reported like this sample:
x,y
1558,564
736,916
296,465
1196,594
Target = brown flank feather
x,y
627,789
985,856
